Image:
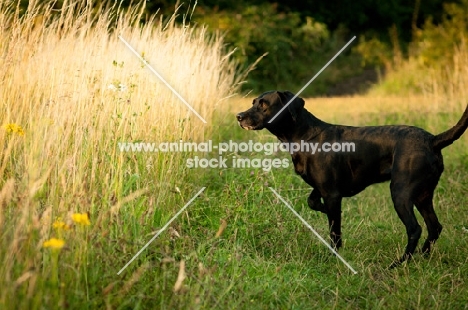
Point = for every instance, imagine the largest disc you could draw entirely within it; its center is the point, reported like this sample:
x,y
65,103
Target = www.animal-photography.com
x,y
233,155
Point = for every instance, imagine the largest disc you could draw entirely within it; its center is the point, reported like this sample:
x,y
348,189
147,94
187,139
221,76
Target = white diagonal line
x,y
162,229
313,230
162,79
311,80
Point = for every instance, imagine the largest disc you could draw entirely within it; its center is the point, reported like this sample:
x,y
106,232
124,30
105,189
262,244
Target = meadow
x,y
74,209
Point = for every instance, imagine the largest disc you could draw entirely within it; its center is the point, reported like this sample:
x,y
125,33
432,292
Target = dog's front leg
x,y
314,201
333,205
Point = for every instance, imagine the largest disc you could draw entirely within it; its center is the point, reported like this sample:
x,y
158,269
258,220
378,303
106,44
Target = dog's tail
x,y
446,138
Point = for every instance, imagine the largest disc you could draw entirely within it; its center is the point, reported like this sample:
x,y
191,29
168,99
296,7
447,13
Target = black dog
x,y
408,156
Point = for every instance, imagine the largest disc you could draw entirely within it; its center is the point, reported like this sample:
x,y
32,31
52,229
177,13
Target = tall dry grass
x,y
442,79
69,92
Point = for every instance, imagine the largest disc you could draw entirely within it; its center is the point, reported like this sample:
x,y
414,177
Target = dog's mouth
x,y
249,127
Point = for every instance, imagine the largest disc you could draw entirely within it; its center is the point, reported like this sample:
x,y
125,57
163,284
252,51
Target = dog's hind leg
x,y
434,228
401,196
314,201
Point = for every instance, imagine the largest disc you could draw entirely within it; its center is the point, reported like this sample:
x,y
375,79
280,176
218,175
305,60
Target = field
x,y
75,209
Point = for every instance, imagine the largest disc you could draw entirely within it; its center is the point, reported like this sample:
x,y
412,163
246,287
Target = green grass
x,y
65,161
266,258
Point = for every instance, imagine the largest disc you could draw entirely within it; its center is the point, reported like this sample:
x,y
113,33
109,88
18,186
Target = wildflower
x,y
81,218
54,243
60,225
122,87
14,128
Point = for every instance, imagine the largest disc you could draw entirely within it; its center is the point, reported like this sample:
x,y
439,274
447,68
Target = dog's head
x,y
267,106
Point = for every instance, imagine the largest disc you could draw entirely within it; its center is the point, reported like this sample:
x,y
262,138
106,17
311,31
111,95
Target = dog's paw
x,y
399,262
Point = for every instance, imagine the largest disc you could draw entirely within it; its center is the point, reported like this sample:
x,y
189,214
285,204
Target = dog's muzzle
x,y
245,122
240,117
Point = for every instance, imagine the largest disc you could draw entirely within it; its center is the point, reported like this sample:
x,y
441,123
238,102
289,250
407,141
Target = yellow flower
x,y
81,218
54,243
14,128
60,225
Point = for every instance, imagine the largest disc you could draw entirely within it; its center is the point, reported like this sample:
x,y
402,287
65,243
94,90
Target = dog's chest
x,y
301,166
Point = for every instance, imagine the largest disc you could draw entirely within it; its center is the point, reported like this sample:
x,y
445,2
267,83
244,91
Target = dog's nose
x,y
240,116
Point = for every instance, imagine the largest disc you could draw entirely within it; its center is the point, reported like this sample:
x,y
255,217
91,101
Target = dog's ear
x,y
295,107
